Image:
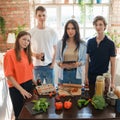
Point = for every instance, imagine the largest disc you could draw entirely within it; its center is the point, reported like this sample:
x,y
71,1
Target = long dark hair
x,y
65,37
27,50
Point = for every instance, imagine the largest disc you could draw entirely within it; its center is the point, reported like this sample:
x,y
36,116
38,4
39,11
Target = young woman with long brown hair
x,y
18,69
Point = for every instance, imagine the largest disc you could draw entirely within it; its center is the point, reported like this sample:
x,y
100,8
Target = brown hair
x,y
100,18
27,50
40,8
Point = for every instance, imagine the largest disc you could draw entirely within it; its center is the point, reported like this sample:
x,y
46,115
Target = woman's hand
x,y
25,94
73,65
64,65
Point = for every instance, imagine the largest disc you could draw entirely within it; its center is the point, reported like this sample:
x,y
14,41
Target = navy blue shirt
x,y
100,55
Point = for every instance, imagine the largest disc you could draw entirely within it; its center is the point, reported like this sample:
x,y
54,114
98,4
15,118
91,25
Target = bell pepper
x,y
80,102
67,104
58,105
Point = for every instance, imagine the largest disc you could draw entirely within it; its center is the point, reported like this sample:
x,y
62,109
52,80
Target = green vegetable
x,y
81,102
41,104
98,102
86,103
94,105
33,101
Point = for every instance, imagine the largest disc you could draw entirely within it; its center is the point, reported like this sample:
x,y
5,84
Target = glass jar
x,y
107,77
99,86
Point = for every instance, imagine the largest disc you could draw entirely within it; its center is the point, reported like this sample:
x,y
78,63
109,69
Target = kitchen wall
x,y
15,13
114,15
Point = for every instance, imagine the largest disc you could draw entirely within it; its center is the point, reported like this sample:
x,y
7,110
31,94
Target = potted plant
x,y
19,29
2,28
115,37
98,1
82,4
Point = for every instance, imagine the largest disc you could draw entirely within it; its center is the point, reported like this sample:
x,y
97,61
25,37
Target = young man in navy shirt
x,y
100,51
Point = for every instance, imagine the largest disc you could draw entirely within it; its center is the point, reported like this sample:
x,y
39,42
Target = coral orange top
x,y
22,71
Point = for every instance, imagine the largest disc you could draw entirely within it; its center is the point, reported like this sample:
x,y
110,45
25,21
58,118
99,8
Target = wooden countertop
x,y
85,113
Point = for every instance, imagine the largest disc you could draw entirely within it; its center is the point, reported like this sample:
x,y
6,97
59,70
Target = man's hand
x,y
52,65
38,56
86,81
112,86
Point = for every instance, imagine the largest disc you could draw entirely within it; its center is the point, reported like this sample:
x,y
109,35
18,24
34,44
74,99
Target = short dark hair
x,y
99,18
40,8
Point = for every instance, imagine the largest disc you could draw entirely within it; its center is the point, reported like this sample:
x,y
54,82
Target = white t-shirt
x,y
43,40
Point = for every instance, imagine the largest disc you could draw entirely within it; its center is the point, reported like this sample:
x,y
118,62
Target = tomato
x,y
58,105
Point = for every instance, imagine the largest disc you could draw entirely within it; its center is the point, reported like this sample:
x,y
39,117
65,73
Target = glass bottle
x,y
107,77
99,86
38,80
87,92
83,91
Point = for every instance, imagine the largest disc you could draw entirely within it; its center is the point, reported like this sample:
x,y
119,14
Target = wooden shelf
x,y
69,4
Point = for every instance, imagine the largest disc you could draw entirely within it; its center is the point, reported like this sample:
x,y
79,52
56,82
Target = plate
x,y
29,107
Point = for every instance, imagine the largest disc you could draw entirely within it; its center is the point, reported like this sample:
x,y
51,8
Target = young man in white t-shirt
x,y
43,43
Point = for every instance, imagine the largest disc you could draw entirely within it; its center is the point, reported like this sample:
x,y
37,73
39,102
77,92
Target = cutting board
x,y
45,89
29,107
69,89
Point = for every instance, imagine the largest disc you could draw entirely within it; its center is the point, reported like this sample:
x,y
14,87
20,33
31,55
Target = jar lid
x,y
100,78
108,75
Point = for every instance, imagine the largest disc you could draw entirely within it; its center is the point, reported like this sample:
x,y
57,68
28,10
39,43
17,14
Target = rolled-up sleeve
x,y
58,52
82,53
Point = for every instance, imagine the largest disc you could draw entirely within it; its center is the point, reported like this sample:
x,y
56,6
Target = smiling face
x,y
71,30
24,41
99,26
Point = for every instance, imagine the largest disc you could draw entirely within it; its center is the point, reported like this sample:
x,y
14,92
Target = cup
x,y
43,57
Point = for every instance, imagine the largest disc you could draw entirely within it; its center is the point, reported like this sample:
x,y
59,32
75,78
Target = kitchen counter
x,y
75,113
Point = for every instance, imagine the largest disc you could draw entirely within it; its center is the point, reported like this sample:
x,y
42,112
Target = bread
x,y
45,89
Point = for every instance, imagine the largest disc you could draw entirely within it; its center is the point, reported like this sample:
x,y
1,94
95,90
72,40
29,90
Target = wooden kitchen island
x,y
75,113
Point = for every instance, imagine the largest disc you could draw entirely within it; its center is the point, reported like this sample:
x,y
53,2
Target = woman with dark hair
x,y
18,69
70,56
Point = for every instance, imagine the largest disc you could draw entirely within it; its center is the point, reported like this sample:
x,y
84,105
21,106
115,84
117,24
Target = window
x,y
59,13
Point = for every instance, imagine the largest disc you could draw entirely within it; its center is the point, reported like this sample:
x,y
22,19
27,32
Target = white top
x,y
43,40
6,107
